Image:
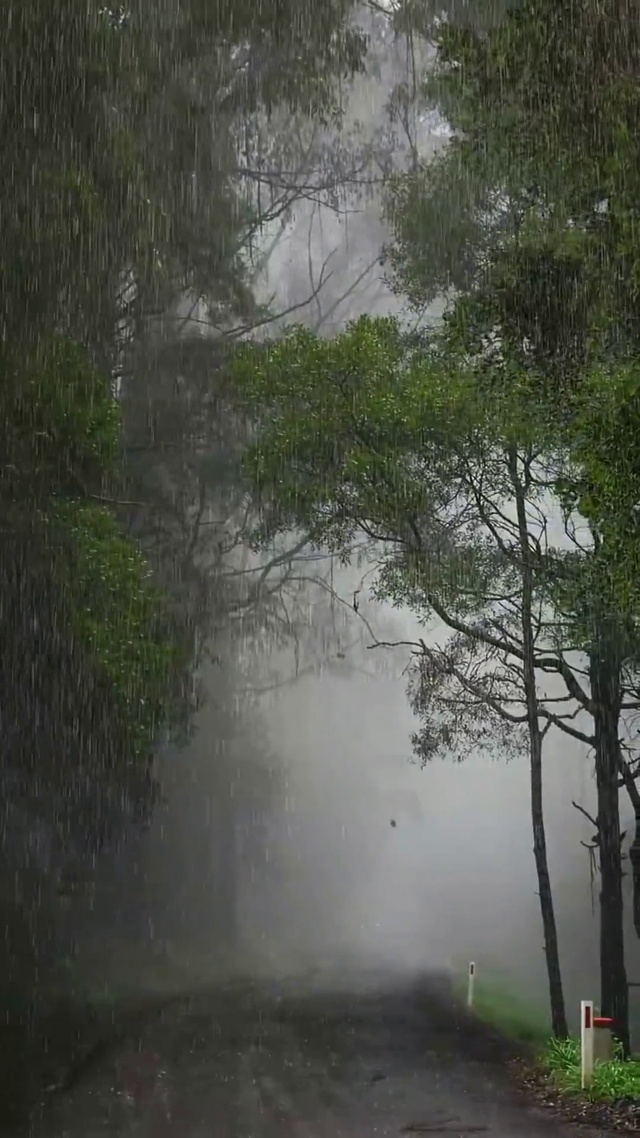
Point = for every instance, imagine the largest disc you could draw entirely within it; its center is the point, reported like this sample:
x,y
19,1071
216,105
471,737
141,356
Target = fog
x,y
286,801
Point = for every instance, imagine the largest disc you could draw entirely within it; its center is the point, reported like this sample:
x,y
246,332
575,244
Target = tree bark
x,y
604,673
634,858
551,948
547,911
634,852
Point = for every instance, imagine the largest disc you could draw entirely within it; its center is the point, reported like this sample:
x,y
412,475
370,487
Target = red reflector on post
x,y
587,1017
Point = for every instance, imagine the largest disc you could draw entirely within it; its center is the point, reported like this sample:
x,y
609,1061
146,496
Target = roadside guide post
x,y
471,984
586,1043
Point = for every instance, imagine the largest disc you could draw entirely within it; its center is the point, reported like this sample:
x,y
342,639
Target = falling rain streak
x,y
230,233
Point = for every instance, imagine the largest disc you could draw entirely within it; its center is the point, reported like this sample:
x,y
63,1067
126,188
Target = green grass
x,y
497,1004
613,1079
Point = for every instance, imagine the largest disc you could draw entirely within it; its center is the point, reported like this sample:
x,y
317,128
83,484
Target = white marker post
x,y
471,983
586,1043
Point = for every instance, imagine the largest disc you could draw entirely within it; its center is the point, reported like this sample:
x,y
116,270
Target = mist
x,y
298,809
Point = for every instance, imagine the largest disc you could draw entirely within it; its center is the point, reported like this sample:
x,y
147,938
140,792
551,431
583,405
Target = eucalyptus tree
x,y
384,433
119,134
525,219
368,434
526,222
107,116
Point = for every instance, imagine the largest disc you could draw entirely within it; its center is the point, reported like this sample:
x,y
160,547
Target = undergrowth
x,y
616,1078
497,1004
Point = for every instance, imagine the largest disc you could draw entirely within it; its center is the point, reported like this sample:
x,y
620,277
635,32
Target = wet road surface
x,y
374,1057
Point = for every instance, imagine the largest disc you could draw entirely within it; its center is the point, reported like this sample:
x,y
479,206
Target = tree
x,y
535,248
535,240
365,434
60,442
106,220
120,134
182,440
120,147
376,432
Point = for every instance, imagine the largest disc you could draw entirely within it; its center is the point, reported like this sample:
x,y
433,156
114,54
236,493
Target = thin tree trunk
x,y
547,911
604,674
634,858
551,949
634,852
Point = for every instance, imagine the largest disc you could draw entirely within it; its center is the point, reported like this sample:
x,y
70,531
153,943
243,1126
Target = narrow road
x,y
369,1058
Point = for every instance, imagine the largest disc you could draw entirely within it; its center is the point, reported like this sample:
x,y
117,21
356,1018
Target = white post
x,y
470,985
586,1043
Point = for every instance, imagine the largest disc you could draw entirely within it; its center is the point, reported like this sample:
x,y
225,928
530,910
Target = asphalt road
x,y
372,1057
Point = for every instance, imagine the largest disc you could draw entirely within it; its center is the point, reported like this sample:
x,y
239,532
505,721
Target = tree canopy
x,y
526,220
443,449
122,132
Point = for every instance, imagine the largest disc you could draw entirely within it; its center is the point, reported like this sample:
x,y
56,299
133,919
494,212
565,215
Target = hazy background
x,y
275,842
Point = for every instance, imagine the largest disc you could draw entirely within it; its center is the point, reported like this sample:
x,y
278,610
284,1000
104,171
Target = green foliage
x,y
425,16
61,438
541,211
118,616
351,431
527,220
119,163
604,432
538,146
120,133
376,432
60,425
616,1079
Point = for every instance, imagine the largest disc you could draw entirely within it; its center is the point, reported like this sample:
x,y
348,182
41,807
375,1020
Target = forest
x,y
454,451
487,464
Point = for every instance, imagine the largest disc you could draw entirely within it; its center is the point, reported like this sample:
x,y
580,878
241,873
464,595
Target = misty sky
x,y
455,878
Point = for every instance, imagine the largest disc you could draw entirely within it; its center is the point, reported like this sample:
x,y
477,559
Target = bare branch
x,y
582,811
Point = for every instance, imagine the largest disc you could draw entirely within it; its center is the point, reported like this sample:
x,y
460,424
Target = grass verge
x,y
613,1101
616,1078
496,1004
549,1069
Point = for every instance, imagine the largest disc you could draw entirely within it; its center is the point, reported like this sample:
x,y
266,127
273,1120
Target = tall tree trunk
x,y
634,858
634,851
604,674
551,949
547,911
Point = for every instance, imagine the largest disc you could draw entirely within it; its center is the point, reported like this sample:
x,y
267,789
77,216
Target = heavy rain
x,y
321,666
